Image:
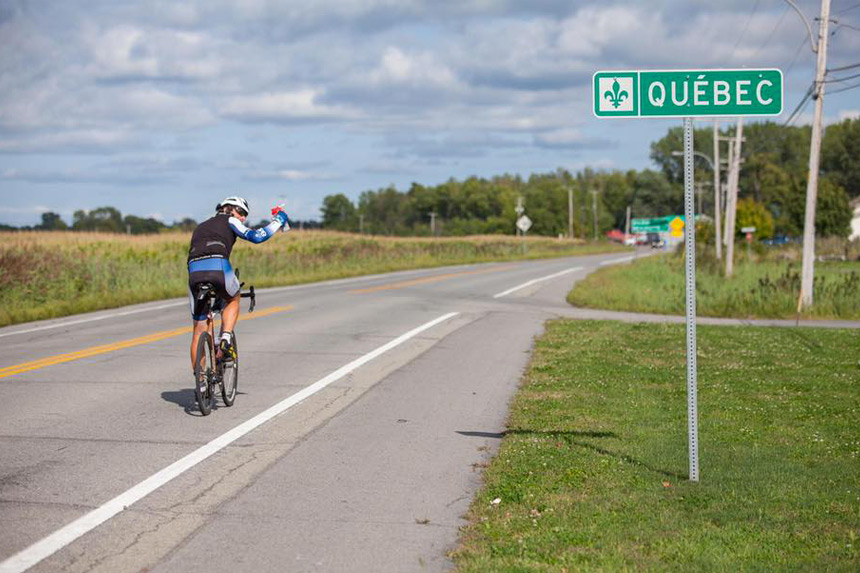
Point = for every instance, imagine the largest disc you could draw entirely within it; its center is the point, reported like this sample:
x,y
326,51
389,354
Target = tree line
x,y
772,194
111,220
772,191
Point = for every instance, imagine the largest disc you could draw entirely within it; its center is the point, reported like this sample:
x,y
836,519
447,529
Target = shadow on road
x,y
183,398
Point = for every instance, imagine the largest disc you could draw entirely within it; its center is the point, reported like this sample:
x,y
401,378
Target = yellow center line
x,y
104,348
432,279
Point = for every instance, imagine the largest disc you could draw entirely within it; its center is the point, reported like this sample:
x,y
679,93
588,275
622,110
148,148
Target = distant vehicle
x,y
656,241
781,240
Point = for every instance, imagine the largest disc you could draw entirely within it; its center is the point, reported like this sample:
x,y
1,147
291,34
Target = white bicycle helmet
x,y
236,202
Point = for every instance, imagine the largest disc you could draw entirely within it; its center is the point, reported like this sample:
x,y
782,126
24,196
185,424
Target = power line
x,y
845,79
796,54
802,104
772,32
849,26
857,5
746,27
843,68
845,89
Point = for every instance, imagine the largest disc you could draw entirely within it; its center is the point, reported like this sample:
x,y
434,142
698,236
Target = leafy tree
x,y
186,224
832,212
787,147
104,219
141,226
339,213
654,195
51,222
671,165
617,195
783,194
751,213
840,155
383,211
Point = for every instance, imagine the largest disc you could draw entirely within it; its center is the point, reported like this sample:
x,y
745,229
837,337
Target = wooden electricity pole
x,y
570,212
807,272
717,197
732,200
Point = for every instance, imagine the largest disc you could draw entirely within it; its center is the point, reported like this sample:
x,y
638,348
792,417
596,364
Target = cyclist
x,y
209,261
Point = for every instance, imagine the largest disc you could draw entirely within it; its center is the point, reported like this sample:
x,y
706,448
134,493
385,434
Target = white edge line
x,y
615,261
533,281
93,319
54,542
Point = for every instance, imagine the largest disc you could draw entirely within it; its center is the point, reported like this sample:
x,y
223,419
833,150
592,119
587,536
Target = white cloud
x,y
72,141
128,52
420,70
283,106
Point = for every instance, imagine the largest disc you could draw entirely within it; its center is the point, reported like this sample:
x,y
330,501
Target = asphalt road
x,y
366,409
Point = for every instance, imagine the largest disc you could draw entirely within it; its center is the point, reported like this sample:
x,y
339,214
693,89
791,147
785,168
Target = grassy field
x,y
591,474
767,286
47,275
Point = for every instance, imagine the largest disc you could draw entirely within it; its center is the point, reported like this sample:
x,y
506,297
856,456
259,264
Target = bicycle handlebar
x,y
252,295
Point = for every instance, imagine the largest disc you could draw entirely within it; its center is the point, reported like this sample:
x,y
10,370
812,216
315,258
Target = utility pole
x,y
627,224
432,223
717,197
727,186
808,271
570,212
700,194
731,209
594,208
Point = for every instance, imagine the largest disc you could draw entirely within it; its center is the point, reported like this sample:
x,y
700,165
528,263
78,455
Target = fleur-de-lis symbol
x,y
616,95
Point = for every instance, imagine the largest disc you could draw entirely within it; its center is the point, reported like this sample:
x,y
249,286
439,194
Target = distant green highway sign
x,y
655,225
688,93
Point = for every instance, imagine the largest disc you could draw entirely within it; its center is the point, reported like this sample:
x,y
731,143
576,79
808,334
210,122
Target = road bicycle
x,y
213,372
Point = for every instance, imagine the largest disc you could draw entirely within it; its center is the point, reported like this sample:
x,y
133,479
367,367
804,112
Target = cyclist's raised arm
x,y
263,233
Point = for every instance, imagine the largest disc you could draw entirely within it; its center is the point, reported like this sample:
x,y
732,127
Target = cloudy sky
x,y
161,108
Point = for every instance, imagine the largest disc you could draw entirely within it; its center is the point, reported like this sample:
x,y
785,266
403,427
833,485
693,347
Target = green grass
x,y
48,275
591,475
764,288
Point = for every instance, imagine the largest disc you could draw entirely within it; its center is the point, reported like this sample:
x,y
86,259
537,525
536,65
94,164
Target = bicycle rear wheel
x,y
204,371
230,376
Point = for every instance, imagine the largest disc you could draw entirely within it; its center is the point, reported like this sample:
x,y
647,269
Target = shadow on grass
x,y
806,338
570,436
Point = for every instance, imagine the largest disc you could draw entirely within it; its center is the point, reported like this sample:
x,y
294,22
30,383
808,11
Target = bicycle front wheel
x,y
204,371
230,376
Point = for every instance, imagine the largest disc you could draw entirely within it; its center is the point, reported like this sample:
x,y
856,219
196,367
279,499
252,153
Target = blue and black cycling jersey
x,y
208,258
215,237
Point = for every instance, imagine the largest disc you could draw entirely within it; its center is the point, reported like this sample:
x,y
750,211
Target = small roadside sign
x,y
677,227
524,223
688,93
748,230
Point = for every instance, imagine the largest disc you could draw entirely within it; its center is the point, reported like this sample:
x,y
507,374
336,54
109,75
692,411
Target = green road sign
x,y
688,93
656,224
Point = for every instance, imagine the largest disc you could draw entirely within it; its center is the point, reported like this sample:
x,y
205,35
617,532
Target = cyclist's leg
x,y
230,312
199,313
199,328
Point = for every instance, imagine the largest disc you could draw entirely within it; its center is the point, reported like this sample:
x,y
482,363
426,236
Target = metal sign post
x,y
524,224
687,94
690,278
